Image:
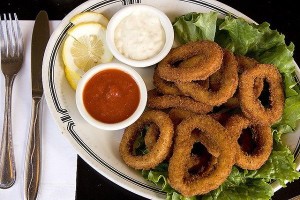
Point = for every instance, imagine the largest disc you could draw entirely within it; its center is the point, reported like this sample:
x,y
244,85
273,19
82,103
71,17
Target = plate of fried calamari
x,y
223,106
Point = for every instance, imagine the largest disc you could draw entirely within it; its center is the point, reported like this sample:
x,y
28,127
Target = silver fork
x,y
11,62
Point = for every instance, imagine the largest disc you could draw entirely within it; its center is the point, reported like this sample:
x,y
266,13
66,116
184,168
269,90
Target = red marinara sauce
x,y
111,96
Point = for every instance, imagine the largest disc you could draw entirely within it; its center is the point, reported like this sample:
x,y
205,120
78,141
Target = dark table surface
x,y
282,15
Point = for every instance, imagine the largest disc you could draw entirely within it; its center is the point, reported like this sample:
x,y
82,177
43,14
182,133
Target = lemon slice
x,y
84,48
72,77
89,17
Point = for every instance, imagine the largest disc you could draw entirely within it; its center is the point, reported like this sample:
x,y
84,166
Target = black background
x,y
282,15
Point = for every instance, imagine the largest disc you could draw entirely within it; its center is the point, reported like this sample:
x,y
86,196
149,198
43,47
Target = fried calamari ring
x,y
245,63
207,54
251,106
151,136
155,100
163,86
168,87
215,80
158,152
184,142
232,103
221,116
253,147
177,115
228,86
202,160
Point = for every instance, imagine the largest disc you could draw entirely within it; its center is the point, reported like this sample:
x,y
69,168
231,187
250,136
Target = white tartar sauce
x,y
140,35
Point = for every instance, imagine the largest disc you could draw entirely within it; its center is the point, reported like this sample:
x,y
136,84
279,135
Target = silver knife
x,y
40,37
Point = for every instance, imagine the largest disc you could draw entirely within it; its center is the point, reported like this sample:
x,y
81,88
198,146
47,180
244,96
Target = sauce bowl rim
x,y
124,12
111,126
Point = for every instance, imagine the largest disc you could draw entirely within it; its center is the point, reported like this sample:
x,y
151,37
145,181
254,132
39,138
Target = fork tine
x,y
4,39
8,36
18,35
12,36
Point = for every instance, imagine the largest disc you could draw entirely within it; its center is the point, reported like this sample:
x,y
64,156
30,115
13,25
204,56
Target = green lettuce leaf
x,y
196,26
280,166
291,114
242,37
158,176
239,186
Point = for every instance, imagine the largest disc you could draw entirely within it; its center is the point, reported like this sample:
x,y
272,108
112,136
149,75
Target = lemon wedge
x,y
72,77
84,48
89,17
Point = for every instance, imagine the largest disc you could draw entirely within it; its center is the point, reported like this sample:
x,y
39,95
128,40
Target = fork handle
x,y
7,161
33,154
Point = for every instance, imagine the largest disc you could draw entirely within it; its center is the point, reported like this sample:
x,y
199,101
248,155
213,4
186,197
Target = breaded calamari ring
x,y
202,160
163,86
209,53
251,106
177,115
245,63
233,102
169,87
159,151
151,136
228,86
250,158
157,101
215,80
184,141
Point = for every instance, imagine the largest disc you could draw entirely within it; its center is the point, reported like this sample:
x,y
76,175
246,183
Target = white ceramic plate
x,y
100,148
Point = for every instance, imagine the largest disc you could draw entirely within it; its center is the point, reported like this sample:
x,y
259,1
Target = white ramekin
x,y
124,12
107,126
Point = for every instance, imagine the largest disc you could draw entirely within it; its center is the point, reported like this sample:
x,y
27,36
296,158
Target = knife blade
x,y
40,37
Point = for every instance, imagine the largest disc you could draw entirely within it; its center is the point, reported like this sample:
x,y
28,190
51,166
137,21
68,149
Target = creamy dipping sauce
x,y
140,35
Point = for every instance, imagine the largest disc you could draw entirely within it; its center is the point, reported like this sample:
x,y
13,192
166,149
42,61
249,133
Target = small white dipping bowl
x,y
122,14
111,126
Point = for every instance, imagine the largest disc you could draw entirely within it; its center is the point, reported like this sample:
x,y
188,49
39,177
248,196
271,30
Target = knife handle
x,y
33,155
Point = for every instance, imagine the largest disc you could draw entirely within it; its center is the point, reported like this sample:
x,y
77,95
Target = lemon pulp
x,y
84,48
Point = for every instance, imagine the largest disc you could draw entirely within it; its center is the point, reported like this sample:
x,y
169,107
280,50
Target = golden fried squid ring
x,y
253,147
151,136
177,115
168,87
215,80
163,86
228,86
157,101
207,54
184,141
202,160
161,148
221,116
245,63
251,105
233,102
